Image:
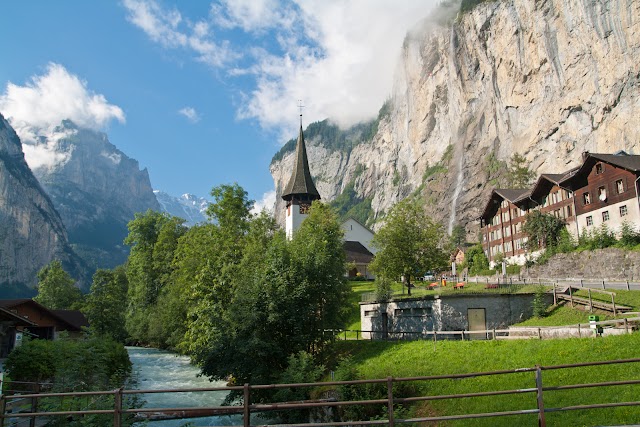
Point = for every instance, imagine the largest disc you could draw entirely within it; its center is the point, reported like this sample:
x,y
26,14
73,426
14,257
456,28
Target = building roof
x,y
513,195
622,160
6,314
301,183
356,252
13,303
74,317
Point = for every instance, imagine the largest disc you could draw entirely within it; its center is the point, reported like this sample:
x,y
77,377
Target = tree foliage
x,y
104,305
543,230
286,294
519,174
476,259
409,244
153,239
56,288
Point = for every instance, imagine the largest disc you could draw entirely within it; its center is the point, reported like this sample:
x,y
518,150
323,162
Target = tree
x,y
519,175
543,230
104,304
409,243
476,259
153,239
458,236
56,288
286,294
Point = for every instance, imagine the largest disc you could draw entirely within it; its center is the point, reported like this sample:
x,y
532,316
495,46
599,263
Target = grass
x,y
424,358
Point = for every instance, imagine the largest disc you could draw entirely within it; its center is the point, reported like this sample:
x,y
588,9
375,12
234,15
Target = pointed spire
x,y
300,186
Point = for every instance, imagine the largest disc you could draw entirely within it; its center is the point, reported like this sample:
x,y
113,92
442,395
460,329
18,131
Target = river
x,y
156,369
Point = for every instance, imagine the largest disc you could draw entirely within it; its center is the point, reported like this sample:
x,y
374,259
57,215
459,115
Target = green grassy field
x,y
424,358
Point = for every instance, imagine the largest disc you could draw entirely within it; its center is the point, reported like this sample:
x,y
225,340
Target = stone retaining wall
x,y
602,264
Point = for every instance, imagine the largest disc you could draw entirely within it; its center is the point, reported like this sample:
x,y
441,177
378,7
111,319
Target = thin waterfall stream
x,y
157,369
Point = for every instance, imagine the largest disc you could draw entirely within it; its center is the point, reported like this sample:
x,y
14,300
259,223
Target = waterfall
x,y
456,192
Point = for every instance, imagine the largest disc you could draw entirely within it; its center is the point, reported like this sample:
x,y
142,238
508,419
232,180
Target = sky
x,y
200,93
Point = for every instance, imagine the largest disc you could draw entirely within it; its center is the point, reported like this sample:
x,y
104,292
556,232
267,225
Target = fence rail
x,y
390,401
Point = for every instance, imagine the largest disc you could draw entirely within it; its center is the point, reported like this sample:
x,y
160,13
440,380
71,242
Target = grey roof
x,y
626,161
301,183
356,252
512,194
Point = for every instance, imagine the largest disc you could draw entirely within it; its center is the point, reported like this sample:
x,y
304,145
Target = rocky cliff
x,y
97,190
546,79
31,231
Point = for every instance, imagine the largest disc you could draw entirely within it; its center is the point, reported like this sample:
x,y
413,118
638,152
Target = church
x,y
300,192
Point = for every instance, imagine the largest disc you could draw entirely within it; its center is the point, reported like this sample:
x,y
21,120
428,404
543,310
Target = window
x,y
599,168
515,212
507,247
589,221
569,212
505,216
619,186
370,313
554,197
518,244
623,210
602,194
507,232
605,216
586,198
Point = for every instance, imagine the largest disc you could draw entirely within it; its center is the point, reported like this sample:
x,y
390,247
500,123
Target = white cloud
x,y
268,203
337,56
168,28
38,107
190,113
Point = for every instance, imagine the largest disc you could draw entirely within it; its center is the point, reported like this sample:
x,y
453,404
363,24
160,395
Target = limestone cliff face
x,y
545,79
31,231
97,190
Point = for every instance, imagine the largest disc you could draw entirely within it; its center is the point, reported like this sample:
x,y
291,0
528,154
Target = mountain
x,y
96,189
544,79
31,232
189,207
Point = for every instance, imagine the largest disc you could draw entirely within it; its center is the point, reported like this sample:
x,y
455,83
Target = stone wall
x,y
609,264
409,318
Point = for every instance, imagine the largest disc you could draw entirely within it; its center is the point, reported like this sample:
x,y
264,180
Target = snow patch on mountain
x,y
189,207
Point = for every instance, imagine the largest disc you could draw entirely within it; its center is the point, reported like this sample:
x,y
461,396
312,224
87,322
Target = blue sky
x,y
200,93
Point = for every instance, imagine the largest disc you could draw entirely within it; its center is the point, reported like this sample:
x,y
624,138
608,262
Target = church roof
x,y
301,182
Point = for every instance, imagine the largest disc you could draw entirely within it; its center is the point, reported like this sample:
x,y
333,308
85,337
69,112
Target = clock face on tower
x,y
304,208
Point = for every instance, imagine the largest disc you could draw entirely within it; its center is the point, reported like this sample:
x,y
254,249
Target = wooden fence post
x,y
34,405
626,325
628,288
581,284
117,408
3,409
541,418
613,301
390,400
571,296
603,286
247,403
555,298
590,302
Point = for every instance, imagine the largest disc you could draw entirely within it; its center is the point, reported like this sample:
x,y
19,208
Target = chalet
x,y
11,325
601,191
45,323
501,224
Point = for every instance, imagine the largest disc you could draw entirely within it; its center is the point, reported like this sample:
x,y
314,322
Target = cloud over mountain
x,y
38,107
338,57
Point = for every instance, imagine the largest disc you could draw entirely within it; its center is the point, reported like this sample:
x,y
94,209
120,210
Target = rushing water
x,y
157,369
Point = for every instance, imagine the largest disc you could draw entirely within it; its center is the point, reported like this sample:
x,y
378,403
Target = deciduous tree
x,y
409,243
56,288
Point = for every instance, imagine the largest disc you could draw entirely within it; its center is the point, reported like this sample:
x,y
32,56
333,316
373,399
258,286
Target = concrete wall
x,y
444,313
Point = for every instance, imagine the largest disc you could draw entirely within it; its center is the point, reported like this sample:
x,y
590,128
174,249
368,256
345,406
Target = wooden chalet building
x,y
603,190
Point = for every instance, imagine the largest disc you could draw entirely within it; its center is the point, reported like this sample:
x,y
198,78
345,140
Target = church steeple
x,y
300,187
300,191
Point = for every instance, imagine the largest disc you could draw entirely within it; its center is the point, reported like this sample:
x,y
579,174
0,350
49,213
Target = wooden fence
x,y
536,406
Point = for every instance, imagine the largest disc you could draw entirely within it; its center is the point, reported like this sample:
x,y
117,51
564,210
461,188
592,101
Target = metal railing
x,y
388,400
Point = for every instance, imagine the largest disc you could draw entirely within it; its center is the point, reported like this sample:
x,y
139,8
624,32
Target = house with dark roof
x,y
11,327
603,190
45,323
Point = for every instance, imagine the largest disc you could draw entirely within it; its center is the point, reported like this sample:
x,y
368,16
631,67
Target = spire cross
x,y
300,106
